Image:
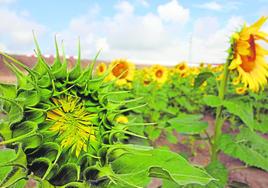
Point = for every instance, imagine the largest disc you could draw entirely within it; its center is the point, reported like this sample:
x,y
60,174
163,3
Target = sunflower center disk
x,y
159,73
72,124
248,61
120,70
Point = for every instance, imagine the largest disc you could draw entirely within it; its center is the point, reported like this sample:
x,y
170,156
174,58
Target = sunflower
x,y
218,68
122,119
248,57
101,68
181,67
184,74
60,122
194,70
146,76
159,74
240,90
236,81
72,123
122,70
202,64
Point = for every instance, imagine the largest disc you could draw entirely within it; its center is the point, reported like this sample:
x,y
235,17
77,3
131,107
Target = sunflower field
x,y
119,126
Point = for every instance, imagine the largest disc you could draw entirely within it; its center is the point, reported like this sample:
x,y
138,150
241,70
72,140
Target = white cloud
x,y
7,1
124,7
173,12
16,30
213,5
144,3
212,48
125,34
149,38
205,26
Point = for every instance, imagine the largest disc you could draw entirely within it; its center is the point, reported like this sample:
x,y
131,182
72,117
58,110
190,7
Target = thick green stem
x,y
219,118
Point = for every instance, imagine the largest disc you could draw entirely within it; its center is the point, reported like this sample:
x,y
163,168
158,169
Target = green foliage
x,y
201,78
212,100
37,111
218,171
247,146
190,124
5,156
241,109
168,165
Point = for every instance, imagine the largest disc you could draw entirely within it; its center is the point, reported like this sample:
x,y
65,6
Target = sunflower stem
x,y
219,114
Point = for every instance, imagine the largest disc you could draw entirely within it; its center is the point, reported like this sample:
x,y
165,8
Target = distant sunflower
x,y
194,70
240,90
249,57
159,74
122,70
202,65
184,74
181,67
122,119
101,69
146,77
236,81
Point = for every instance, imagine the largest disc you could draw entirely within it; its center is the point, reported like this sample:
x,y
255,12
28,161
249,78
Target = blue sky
x,y
144,31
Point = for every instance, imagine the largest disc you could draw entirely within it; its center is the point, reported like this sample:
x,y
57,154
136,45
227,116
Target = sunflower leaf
x,y
247,146
186,123
134,168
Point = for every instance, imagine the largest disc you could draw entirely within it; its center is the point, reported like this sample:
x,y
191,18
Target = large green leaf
x,y
212,100
135,167
216,169
262,124
241,109
247,146
190,124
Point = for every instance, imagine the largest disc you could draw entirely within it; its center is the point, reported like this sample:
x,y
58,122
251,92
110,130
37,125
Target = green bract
x,y
60,129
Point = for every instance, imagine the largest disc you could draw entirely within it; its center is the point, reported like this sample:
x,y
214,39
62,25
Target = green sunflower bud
x,y
60,119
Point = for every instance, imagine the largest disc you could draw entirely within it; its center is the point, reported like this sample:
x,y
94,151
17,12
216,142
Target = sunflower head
x,y
61,122
159,74
101,68
247,57
72,124
182,67
240,90
122,71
